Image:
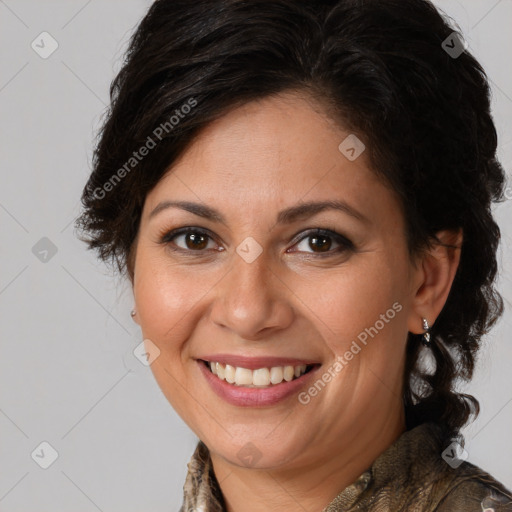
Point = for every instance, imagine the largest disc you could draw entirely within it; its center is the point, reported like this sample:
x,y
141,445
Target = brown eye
x,y
196,240
323,242
188,239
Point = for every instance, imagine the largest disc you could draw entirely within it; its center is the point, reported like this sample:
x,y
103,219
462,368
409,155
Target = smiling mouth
x,y
259,378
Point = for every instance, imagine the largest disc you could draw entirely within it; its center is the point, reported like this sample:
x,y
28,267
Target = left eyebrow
x,y
287,216
312,208
198,209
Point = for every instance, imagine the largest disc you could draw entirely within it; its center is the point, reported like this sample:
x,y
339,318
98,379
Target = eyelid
x,y
167,235
342,240
344,243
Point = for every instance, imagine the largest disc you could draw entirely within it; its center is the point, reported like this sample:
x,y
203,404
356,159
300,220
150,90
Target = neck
x,y
312,486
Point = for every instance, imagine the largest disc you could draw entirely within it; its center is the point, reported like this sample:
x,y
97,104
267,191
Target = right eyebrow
x,y
287,216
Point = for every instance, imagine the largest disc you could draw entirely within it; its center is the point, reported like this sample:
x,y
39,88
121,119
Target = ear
x,y
433,278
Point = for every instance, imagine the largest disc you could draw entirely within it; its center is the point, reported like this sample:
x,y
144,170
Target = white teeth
x,y
221,371
230,373
288,373
276,374
299,370
262,377
243,376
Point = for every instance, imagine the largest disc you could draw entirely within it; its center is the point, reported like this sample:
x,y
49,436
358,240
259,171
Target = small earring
x,y
425,339
133,313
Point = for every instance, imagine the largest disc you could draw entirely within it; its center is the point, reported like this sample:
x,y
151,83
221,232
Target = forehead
x,y
271,153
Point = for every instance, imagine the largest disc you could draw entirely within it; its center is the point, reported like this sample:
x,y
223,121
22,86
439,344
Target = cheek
x,y
167,300
359,302
166,296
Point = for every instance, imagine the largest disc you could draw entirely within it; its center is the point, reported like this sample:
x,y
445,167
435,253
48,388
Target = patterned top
x,y
415,474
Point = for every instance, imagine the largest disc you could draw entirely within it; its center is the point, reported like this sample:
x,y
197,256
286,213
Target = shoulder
x,y
413,474
474,490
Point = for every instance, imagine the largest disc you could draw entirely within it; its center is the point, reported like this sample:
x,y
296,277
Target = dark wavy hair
x,y
380,68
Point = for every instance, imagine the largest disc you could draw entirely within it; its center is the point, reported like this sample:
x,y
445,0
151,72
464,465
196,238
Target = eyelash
x,y
344,243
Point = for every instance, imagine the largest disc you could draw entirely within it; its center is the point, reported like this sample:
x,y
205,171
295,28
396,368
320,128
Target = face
x,y
246,275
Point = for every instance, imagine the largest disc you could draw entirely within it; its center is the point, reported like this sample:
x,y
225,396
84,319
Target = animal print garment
x,y
411,475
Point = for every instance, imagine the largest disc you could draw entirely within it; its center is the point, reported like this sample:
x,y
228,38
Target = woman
x,y
300,193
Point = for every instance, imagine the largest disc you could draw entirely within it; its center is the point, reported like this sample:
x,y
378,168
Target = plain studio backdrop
x,y
68,376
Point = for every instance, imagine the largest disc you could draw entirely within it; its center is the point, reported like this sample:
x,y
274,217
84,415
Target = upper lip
x,y
253,363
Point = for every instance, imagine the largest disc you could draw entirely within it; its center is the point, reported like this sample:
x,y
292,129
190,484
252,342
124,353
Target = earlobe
x,y
436,272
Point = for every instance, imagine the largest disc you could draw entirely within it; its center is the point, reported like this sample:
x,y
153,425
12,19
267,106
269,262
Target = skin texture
x,y
294,300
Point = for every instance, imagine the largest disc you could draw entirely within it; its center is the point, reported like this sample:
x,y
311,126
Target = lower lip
x,y
252,397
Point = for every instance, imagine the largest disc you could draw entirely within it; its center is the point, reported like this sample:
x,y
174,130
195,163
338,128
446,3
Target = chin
x,y
255,452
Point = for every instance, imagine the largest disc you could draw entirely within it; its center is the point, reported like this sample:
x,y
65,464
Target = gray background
x,y
67,372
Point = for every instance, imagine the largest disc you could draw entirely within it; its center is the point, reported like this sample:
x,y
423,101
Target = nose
x,y
251,300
